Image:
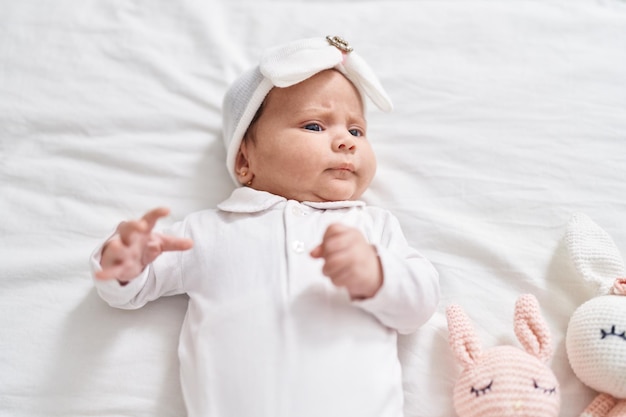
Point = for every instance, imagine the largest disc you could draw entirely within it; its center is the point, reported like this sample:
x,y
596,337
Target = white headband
x,y
284,66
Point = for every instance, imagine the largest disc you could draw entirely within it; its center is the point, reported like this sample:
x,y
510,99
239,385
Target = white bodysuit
x,y
266,334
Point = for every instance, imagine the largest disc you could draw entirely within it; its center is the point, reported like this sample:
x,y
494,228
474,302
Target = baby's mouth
x,y
344,167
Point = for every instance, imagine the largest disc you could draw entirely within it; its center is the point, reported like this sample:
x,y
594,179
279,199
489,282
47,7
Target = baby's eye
x,y
481,391
314,127
355,132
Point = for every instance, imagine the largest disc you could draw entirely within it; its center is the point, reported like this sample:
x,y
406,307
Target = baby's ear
x,y
242,166
593,252
241,160
531,329
462,336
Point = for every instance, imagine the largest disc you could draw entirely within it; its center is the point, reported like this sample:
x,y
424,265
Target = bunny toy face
x,y
596,344
505,381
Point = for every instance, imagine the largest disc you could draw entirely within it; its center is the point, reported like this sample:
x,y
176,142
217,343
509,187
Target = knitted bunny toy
x,y
596,333
505,381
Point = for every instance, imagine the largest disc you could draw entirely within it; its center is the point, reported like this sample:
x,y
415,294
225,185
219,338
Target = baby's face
x,y
311,143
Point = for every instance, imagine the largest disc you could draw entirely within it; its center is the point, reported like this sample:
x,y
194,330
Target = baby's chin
x,y
342,192
335,191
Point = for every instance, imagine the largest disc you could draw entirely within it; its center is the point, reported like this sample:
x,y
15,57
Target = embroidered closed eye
x,y
481,391
549,391
605,334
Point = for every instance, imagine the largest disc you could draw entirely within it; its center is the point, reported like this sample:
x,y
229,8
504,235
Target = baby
x,y
297,290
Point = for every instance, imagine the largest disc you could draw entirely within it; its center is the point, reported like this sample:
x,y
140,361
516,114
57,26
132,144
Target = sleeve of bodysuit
x,y
410,292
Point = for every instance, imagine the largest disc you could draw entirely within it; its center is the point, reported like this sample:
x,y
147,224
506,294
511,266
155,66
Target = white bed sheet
x,y
509,117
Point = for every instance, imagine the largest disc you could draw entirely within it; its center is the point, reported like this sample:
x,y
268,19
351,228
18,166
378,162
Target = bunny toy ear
x,y
531,329
463,340
594,253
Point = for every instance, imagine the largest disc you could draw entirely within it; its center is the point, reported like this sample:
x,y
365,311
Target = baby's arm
x,y
350,261
386,276
135,245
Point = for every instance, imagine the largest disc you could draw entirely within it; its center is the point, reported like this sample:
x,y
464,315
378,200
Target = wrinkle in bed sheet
x,y
509,117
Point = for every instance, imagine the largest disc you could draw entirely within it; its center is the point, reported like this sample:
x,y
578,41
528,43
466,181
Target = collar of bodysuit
x,y
249,200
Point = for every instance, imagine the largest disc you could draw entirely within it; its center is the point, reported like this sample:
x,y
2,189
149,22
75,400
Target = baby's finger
x,y
151,217
335,264
171,243
113,253
103,275
123,271
126,230
335,229
339,275
107,273
317,252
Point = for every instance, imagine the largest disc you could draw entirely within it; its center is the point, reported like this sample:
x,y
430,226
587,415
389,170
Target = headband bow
x,y
295,62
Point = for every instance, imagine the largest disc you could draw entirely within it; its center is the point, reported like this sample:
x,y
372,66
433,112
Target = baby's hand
x,y
124,257
350,261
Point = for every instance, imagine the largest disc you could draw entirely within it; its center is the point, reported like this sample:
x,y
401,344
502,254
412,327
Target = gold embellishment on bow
x,y
339,43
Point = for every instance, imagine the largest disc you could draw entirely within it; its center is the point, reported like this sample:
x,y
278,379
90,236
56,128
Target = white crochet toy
x,y
596,334
505,381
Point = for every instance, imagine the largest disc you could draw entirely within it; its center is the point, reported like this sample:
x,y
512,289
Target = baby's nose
x,y
345,143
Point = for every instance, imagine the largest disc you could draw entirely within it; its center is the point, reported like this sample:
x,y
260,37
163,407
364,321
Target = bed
x,y
509,117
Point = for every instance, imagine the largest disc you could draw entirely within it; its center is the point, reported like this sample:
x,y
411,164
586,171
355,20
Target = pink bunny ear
x,y
463,340
531,329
